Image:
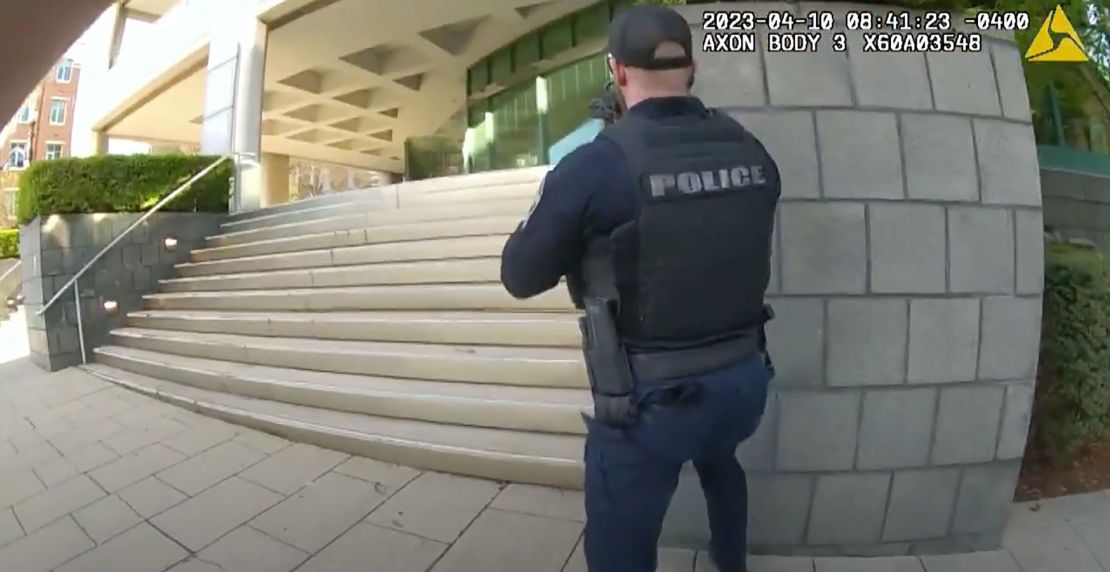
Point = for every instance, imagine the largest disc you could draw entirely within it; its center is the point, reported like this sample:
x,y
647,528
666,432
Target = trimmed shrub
x,y
1072,406
9,243
119,183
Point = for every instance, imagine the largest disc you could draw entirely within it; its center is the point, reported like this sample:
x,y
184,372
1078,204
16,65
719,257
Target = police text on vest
x,y
689,182
793,42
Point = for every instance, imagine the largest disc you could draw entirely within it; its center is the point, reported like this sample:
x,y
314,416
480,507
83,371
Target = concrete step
x,y
378,199
544,410
384,193
523,366
500,226
423,272
485,296
526,175
477,328
477,180
500,454
469,195
405,200
408,251
371,218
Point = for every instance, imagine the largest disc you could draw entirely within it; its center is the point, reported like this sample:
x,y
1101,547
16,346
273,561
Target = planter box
x,y
56,247
1077,204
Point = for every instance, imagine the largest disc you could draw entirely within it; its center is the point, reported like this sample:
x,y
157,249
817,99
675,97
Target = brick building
x,y
41,129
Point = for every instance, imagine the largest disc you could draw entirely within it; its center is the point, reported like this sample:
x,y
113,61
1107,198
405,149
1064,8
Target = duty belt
x,y
674,364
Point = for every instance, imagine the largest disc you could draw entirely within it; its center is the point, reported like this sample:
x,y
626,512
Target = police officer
x,y
662,226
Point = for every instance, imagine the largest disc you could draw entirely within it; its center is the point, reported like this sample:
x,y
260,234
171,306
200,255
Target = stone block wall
x,y
908,275
56,247
1077,205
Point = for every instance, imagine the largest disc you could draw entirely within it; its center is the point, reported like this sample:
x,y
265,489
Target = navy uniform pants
x,y
631,474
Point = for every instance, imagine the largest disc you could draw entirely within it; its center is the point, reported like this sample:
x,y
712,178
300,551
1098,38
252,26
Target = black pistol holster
x,y
768,315
607,364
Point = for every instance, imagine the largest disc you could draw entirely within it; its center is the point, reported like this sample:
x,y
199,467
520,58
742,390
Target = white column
x,y
99,143
115,37
233,100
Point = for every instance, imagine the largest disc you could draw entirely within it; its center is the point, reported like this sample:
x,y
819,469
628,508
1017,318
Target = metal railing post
x,y
80,325
1057,116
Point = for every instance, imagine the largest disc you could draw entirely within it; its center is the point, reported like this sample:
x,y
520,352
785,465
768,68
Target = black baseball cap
x,y
639,30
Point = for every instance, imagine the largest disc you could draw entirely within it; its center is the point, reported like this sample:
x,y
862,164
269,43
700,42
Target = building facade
x,y
41,130
348,83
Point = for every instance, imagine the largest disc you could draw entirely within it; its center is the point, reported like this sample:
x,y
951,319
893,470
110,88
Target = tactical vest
x,y
692,268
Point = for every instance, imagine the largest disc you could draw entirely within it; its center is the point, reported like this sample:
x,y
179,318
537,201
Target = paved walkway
x,y
13,337
95,478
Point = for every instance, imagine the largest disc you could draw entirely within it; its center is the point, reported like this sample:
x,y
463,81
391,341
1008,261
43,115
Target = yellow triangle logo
x,y
1056,41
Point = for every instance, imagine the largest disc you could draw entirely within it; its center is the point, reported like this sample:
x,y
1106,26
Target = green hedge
x,y
1072,406
9,243
119,183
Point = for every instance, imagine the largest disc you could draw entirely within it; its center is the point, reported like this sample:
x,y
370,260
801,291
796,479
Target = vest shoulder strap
x,y
628,134
637,137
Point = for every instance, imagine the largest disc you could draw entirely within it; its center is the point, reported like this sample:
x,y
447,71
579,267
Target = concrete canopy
x,y
349,81
148,9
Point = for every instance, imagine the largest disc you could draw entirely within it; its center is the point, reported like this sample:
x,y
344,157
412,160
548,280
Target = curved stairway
x,y
373,322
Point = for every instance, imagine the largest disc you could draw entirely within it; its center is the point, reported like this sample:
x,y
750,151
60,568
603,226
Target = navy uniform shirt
x,y
588,194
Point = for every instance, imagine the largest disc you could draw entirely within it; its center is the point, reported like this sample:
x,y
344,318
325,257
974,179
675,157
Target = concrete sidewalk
x,y
13,336
96,478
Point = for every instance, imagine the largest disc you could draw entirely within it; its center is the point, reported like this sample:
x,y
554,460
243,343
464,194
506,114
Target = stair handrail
x,y
9,272
72,283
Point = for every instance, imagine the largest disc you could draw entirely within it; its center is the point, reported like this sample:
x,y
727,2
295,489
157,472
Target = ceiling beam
x,y
509,17
148,17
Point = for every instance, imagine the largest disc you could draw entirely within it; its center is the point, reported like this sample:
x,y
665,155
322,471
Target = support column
x,y
491,142
275,179
119,25
99,143
233,100
541,120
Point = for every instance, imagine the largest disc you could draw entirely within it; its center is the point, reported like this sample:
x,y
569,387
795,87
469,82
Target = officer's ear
x,y
693,72
618,72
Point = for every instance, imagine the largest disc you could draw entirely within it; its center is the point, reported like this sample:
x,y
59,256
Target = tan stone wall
x,y
907,277
310,179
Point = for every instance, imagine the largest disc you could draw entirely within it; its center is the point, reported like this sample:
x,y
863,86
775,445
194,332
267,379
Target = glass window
x,y
569,92
53,151
516,128
57,111
504,130
64,72
17,155
24,115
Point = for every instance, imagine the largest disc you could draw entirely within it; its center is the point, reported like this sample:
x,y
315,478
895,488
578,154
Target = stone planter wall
x,y
55,248
1077,205
908,278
